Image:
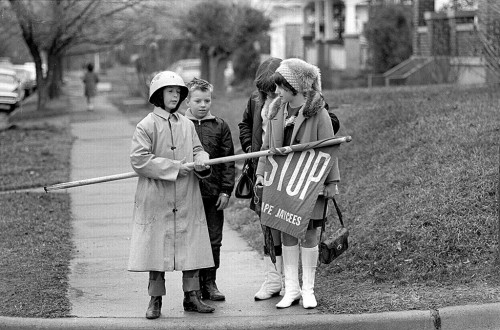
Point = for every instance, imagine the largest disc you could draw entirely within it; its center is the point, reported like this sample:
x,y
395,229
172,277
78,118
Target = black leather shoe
x,y
192,303
210,291
154,308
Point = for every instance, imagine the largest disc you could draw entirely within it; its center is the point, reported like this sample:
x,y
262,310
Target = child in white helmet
x,y
170,229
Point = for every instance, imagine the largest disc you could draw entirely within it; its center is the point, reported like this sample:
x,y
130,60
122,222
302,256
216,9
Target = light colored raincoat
x,y
170,229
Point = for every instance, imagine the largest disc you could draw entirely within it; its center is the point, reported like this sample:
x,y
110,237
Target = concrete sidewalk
x,y
100,285
104,295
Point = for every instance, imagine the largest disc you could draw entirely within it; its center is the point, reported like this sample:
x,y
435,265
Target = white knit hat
x,y
301,75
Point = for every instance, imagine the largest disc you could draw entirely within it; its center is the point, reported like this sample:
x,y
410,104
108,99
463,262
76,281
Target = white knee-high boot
x,y
273,283
291,268
309,262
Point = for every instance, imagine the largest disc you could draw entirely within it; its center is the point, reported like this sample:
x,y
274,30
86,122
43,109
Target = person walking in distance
x,y
170,229
90,80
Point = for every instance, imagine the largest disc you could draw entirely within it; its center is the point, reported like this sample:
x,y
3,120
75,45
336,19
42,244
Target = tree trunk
x,y
43,95
60,74
205,62
53,76
218,66
41,81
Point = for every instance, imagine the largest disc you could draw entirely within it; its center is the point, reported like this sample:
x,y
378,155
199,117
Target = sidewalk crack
x,y
436,319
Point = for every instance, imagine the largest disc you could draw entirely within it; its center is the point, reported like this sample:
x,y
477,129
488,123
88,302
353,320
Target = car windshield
x,y
6,79
191,67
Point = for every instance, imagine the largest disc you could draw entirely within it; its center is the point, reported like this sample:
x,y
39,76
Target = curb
x,y
469,317
473,317
380,321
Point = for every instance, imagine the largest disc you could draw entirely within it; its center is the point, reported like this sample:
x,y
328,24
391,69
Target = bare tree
x,y
53,28
220,28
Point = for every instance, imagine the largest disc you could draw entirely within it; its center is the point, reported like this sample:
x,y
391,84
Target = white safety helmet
x,y
167,78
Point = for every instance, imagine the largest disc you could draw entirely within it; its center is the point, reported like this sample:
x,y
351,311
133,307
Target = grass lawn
x,y
35,245
35,228
419,183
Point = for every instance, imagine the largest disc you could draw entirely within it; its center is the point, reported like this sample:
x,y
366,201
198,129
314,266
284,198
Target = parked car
x,y
187,69
11,90
28,83
191,68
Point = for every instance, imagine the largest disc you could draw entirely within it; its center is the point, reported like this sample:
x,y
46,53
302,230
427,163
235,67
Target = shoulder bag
x,y
244,184
333,246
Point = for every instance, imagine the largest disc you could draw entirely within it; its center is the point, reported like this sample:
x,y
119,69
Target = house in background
x,y
286,28
327,33
333,34
446,49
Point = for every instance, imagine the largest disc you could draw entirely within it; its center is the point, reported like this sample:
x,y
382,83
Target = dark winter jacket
x,y
251,126
215,136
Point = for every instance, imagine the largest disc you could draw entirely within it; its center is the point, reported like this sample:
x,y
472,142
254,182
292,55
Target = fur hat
x,y
301,75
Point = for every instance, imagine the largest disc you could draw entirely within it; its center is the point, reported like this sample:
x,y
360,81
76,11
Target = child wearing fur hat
x,y
298,115
170,229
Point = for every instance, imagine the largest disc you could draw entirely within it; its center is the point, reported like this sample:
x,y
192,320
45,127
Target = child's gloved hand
x,y
184,169
259,181
199,166
331,190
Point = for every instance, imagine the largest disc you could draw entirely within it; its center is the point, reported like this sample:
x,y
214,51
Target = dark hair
x,y
263,80
157,99
281,81
90,67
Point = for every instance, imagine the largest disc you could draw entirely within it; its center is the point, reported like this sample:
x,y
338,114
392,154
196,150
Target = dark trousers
x,y
156,287
215,224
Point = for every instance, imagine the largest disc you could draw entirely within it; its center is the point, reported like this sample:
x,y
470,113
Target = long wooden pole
x,y
280,151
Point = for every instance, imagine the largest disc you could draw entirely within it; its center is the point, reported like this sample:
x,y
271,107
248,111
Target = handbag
x,y
244,184
333,246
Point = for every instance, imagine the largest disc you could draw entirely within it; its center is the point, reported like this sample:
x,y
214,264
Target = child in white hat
x,y
298,116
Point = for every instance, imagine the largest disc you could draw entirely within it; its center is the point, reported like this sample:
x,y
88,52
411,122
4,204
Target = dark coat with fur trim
x,y
313,123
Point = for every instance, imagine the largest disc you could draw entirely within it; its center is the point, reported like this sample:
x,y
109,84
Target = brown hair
x,y
263,80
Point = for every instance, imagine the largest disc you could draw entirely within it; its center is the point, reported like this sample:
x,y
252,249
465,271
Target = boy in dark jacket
x,y
215,136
